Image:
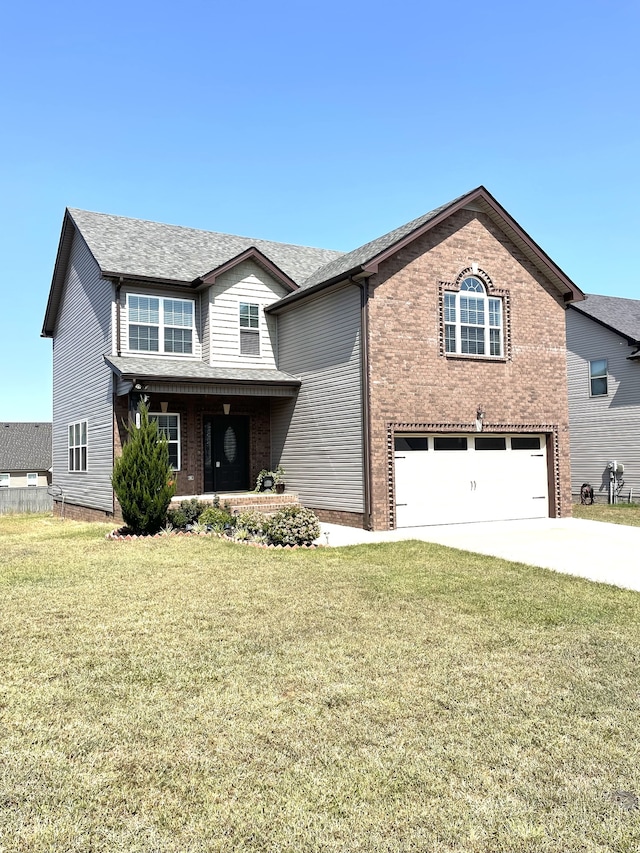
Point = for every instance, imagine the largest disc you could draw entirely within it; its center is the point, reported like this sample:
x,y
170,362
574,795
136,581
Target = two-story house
x,y
418,379
603,365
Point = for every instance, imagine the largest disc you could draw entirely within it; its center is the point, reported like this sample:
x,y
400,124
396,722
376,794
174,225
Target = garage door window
x,y
410,442
525,442
441,442
491,442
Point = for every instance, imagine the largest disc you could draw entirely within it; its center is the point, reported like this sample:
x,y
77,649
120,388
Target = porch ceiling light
x,y
226,408
164,405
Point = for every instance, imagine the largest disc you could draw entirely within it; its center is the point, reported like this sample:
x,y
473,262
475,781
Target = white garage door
x,y
448,479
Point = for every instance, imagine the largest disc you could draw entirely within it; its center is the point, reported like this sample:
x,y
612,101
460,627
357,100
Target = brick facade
x,y
412,382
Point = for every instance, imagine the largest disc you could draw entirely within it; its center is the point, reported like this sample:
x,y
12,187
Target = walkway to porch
x,y
266,502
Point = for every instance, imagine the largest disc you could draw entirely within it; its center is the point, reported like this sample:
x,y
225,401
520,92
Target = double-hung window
x,y
5,480
158,324
598,385
473,322
249,329
32,479
78,446
169,426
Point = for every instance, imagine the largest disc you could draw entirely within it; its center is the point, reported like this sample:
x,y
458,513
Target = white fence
x,y
25,499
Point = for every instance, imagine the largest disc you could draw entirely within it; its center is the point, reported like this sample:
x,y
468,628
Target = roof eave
x,y
149,279
59,273
352,276
633,342
136,375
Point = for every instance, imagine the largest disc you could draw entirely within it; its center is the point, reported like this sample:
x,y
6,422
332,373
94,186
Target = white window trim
x,y
178,443
253,330
604,376
32,474
80,445
5,480
486,326
161,326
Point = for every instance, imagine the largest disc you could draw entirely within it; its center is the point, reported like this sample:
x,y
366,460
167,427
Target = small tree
x,y
143,478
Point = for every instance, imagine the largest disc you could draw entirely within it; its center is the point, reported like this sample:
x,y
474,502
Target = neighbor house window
x,y
598,377
5,481
473,322
249,329
169,426
78,446
160,325
32,479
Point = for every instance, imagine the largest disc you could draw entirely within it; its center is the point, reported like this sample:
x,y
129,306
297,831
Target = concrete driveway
x,y
609,553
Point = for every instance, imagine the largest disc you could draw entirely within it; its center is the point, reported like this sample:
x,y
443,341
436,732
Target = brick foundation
x,y
83,513
334,516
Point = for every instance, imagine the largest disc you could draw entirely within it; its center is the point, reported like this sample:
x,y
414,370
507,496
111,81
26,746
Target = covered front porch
x,y
217,422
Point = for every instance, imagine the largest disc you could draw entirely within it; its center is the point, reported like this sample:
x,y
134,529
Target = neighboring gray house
x,y
25,454
357,372
603,367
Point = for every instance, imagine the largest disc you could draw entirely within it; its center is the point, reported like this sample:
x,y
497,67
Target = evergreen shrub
x,y
142,478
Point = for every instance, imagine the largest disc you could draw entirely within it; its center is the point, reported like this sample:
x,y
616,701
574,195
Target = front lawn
x,y
188,694
621,513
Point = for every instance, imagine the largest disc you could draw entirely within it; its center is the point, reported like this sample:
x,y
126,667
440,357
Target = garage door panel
x,y
448,487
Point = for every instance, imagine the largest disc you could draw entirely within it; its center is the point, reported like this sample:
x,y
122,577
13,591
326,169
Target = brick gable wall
x,y
412,382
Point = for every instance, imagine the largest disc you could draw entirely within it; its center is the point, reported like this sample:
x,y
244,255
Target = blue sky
x,y
325,124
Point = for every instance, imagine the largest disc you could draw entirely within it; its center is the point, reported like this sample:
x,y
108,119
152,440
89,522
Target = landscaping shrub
x,y
217,517
252,521
188,512
293,525
142,478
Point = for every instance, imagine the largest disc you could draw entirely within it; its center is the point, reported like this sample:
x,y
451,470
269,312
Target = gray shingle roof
x,y
25,446
159,368
363,254
136,247
620,314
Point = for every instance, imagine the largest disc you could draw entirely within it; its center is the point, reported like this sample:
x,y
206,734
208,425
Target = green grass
x,y
622,513
188,694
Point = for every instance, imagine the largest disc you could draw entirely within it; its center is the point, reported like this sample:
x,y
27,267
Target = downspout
x,y
118,321
114,425
364,384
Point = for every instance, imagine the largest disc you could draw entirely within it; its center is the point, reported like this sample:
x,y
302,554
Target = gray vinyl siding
x,y
608,427
82,383
248,283
317,437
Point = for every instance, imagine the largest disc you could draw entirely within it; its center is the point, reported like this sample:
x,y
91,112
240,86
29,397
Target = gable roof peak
x,y
367,258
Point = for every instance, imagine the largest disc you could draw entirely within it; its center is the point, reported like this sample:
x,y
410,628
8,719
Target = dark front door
x,y
226,453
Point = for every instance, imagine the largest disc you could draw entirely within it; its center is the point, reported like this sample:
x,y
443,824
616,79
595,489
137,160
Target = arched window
x,y
473,320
